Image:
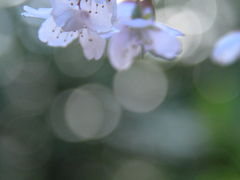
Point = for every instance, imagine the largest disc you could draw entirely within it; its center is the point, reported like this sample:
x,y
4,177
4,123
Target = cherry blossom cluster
x,y
129,26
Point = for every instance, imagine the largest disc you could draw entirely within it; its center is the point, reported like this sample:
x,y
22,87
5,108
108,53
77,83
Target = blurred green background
x,y
63,117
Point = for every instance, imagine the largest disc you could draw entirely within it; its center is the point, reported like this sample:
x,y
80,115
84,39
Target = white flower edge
x,y
227,49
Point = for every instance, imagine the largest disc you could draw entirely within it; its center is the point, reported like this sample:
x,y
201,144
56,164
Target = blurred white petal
x,y
125,10
123,48
42,13
163,44
93,45
227,49
170,30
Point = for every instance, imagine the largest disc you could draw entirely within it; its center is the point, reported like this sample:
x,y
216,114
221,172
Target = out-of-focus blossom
x,y
227,49
139,34
89,20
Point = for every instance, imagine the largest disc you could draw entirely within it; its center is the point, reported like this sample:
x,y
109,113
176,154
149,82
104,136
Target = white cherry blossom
x,y
139,35
88,20
227,49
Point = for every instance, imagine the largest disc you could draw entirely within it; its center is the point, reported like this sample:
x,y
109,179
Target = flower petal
x,y
68,16
170,30
70,3
109,34
123,48
93,45
227,49
125,10
42,13
162,43
101,14
54,36
71,20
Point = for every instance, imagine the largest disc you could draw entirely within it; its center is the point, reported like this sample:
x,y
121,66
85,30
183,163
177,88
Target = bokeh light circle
x,y
112,109
141,88
89,112
57,118
84,114
6,32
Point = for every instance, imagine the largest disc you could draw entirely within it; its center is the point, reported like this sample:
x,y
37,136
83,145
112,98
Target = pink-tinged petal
x,y
227,49
123,48
54,36
68,16
42,13
101,14
93,45
71,20
162,43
